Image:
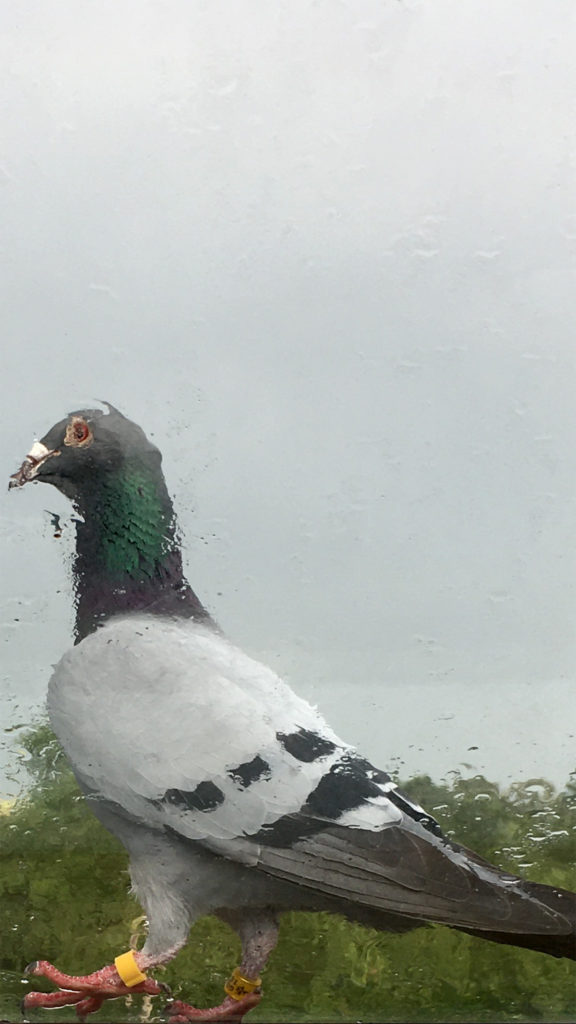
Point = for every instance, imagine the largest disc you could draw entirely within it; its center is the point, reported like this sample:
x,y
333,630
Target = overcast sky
x,y
324,252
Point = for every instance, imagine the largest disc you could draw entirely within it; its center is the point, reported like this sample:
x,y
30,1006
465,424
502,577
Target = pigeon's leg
x,y
258,933
169,924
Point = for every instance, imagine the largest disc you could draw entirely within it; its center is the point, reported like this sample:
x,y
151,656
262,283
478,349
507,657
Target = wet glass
x,y
323,253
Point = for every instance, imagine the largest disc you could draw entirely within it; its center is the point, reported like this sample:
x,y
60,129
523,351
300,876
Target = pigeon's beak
x,y
29,468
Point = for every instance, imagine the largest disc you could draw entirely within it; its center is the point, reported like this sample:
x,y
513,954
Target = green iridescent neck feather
x,y
127,552
135,522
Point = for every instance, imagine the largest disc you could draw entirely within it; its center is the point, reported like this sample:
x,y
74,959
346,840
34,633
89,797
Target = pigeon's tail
x,y
561,902
529,904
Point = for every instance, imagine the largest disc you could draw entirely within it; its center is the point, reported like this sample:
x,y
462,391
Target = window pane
x,y
323,254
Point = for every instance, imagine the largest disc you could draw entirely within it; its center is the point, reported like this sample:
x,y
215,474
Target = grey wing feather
x,y
407,870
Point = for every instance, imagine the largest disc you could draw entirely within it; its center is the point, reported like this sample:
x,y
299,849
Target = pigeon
x,y
231,794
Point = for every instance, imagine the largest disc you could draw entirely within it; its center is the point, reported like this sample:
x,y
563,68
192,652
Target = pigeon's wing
x,y
179,729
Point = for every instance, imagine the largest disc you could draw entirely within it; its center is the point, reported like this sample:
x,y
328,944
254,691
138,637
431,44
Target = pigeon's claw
x,y
232,1010
87,992
53,1000
49,1000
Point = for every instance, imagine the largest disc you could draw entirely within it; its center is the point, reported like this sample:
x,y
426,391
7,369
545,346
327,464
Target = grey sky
x,y
324,253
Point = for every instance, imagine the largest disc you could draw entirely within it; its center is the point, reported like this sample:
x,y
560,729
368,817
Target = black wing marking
x,y
250,771
306,745
205,797
350,784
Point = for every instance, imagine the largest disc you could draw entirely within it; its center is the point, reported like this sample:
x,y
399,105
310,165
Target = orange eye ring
x,y
78,433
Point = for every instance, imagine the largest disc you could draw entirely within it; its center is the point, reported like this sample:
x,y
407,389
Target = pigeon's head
x,y
84,447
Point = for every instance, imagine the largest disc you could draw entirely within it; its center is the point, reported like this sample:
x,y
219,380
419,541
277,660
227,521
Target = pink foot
x,y
86,992
232,1010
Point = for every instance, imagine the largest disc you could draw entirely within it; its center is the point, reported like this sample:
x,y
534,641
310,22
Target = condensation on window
x,y
322,254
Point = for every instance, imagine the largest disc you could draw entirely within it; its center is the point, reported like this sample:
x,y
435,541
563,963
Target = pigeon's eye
x,y
78,433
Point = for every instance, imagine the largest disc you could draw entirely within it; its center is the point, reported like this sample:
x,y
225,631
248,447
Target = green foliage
x,y
64,896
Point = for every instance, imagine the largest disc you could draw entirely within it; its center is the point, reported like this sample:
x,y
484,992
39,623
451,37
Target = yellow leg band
x,y
128,969
238,986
